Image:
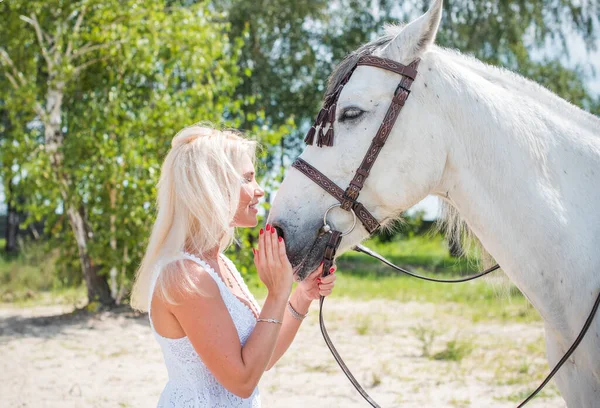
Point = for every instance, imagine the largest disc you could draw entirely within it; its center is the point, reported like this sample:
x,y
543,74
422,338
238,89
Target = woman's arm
x,y
308,290
209,327
290,326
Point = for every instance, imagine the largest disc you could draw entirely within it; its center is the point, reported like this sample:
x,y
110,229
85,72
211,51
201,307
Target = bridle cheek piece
x,y
348,198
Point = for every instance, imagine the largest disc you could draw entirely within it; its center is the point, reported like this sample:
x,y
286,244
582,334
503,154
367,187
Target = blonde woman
x,y
216,340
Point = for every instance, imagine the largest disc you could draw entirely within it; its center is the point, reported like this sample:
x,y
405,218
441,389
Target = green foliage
x,y
178,68
143,71
134,72
292,46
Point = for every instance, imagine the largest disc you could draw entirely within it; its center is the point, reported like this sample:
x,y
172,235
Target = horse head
x,y
407,169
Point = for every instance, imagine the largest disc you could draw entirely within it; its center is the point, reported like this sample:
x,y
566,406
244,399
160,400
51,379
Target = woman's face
x,y
250,194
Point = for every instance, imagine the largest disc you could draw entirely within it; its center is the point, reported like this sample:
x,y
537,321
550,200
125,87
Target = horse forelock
x,y
350,60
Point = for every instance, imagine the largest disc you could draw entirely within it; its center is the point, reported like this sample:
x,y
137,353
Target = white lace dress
x,y
191,384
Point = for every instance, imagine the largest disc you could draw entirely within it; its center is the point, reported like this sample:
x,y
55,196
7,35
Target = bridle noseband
x,y
348,199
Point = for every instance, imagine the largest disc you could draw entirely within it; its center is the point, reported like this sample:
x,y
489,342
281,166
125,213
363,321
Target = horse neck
x,y
524,178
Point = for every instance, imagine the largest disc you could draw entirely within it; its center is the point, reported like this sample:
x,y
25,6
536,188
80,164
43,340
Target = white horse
x,y
520,165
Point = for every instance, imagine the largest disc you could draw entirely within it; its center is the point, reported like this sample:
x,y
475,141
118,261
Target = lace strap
x,y
213,274
228,297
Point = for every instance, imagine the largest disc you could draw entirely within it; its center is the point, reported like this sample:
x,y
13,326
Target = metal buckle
x,y
400,86
327,228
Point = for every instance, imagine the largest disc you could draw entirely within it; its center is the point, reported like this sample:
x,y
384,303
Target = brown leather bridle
x,y
348,198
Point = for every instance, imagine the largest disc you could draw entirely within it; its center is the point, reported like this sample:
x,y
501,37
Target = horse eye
x,y
351,114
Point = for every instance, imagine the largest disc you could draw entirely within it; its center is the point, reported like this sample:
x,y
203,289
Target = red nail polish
x,y
280,239
261,231
254,251
268,227
332,270
272,230
321,263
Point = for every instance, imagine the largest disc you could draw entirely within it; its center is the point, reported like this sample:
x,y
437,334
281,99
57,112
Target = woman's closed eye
x,y
351,114
248,178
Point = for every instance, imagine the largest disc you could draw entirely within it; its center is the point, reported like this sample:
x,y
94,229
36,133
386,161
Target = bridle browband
x,y
348,199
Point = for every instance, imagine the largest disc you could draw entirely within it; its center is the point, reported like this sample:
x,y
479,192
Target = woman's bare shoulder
x,y
189,281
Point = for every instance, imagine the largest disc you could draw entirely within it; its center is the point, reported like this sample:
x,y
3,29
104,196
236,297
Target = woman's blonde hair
x,y
197,198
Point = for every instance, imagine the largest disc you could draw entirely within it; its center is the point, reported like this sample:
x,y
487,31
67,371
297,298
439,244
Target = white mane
x,y
519,84
507,79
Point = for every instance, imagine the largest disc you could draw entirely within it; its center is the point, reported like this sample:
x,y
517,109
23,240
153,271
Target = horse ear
x,y
417,36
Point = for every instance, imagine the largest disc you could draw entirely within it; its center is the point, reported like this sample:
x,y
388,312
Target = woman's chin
x,y
251,222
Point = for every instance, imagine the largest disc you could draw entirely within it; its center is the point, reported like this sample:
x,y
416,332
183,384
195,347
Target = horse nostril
x,y
279,231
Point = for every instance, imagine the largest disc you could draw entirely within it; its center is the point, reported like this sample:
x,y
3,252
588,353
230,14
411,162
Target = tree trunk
x,y
97,286
13,220
12,214
122,289
114,286
12,230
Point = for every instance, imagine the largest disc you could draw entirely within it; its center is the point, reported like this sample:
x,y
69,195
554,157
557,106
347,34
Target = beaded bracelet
x,y
269,321
294,313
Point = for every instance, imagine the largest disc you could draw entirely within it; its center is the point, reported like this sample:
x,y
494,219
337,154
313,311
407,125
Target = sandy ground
x,y
50,358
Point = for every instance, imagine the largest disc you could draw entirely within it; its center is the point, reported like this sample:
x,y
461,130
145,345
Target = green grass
x,y
425,254
30,279
477,300
474,300
28,270
455,350
364,278
426,336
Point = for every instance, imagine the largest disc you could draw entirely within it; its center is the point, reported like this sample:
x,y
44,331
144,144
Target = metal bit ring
x,y
326,227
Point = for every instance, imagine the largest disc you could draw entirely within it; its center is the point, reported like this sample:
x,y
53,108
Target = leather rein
x,y
348,200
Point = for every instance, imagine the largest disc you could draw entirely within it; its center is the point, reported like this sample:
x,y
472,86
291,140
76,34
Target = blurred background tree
x,y
291,47
96,90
